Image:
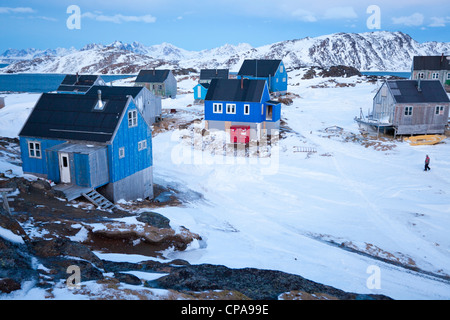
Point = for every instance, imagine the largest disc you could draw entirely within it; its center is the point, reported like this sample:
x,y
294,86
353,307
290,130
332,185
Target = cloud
x,y
304,15
413,20
439,21
119,18
340,13
16,10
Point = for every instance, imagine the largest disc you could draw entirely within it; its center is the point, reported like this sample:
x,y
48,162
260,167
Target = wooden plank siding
x,y
423,119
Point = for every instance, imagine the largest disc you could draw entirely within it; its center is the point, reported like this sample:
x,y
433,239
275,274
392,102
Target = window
x,y
420,75
448,76
246,109
408,111
121,152
281,69
231,108
34,150
284,79
435,75
132,118
142,145
217,107
439,110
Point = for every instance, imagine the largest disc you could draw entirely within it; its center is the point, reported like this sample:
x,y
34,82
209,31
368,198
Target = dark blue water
x,y
387,73
40,82
2,65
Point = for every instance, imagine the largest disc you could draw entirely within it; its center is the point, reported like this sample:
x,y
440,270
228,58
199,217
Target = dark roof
x,y
208,74
70,88
107,91
259,68
83,80
203,84
230,90
431,63
406,91
72,117
150,76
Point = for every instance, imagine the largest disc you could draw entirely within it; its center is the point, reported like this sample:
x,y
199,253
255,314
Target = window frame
x,y
32,149
142,145
438,110
408,111
246,109
233,105
217,108
121,152
132,118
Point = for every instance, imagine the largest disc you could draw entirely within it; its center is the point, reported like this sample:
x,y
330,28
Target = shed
x,y
160,82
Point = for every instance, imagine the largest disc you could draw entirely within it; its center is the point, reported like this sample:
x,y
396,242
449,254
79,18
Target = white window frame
x,y
142,145
281,69
132,118
420,75
435,75
121,152
284,79
246,109
439,110
448,76
34,149
217,108
231,108
408,111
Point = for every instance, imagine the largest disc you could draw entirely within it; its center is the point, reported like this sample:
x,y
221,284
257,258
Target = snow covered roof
x,y
235,90
407,91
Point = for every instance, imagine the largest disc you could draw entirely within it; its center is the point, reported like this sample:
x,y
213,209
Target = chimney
x,y
154,71
242,82
419,87
100,102
76,77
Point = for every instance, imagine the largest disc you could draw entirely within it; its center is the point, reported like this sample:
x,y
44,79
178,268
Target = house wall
x,y
383,105
149,105
279,82
34,165
200,95
443,75
128,138
423,120
171,86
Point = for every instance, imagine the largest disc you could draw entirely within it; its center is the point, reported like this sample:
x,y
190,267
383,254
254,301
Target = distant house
x,y
273,71
160,82
431,68
74,83
241,107
148,104
89,143
206,75
411,107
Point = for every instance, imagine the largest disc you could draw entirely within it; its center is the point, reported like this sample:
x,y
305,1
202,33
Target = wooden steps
x,y
98,200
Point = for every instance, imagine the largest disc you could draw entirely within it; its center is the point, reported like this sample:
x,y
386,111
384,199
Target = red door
x,y
240,134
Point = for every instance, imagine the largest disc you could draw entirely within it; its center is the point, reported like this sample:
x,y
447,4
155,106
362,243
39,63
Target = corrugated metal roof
x,y
406,91
259,68
230,90
73,117
152,76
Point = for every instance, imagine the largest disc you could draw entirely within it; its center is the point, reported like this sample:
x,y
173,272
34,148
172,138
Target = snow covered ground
x,y
331,216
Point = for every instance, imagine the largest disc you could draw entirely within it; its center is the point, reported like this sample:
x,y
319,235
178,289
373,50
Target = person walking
x,y
427,162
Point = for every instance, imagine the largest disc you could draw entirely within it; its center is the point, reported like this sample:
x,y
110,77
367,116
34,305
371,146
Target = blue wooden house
x,y
241,107
273,71
206,75
85,143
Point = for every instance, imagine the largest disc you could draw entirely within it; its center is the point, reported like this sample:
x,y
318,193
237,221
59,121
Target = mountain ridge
x,y
369,51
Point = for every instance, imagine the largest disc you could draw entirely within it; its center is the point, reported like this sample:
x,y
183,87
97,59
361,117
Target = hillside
x,y
372,51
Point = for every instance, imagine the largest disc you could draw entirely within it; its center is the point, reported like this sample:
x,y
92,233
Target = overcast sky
x,y
204,24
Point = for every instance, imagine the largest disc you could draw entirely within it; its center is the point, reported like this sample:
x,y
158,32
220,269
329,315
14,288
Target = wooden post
x,y
4,192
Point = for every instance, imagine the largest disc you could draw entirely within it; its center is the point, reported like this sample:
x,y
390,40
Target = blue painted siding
x,y
202,94
82,171
277,83
128,138
35,165
257,110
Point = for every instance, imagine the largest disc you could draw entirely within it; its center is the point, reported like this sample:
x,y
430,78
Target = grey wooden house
x,y
411,107
431,68
148,104
160,82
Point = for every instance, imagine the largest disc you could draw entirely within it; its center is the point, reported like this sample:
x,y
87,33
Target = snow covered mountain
x,y
378,51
